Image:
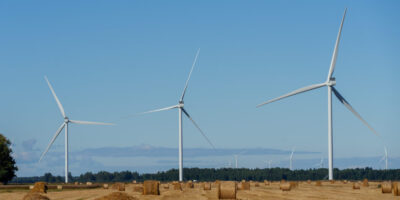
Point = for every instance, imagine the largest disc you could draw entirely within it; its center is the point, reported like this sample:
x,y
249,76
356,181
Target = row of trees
x,y
222,174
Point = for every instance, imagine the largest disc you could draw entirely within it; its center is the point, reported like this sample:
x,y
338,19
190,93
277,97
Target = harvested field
x,y
336,190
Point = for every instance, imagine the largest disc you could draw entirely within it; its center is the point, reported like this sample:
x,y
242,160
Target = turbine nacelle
x,y
331,82
66,119
180,105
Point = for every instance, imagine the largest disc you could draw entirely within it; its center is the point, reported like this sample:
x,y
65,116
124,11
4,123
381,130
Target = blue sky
x,y
107,60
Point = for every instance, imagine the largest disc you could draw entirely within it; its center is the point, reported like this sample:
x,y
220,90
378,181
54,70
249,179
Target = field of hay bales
x,y
302,190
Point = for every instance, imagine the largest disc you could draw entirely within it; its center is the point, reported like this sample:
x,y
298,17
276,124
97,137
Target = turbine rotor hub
x,y
331,82
66,120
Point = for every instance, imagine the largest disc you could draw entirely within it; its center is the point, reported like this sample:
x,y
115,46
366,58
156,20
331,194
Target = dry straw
x,y
117,196
386,187
34,196
151,187
245,185
293,184
318,183
59,187
105,186
138,188
89,183
40,187
189,184
207,186
284,186
356,186
227,190
396,189
118,186
266,182
177,185
365,183
309,181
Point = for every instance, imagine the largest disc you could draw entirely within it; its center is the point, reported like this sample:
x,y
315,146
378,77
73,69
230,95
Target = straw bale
x,y
266,182
227,190
309,181
294,184
118,186
386,187
76,183
189,184
318,183
244,185
40,187
332,181
151,187
35,196
31,187
105,186
59,187
396,189
117,196
365,183
206,186
345,181
89,183
177,185
356,186
134,181
138,188
256,184
285,186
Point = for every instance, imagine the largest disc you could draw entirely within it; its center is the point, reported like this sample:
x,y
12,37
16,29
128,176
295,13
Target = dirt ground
x,y
304,191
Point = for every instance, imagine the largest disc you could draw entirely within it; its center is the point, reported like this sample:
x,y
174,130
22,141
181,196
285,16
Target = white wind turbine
x,y
180,110
329,83
385,158
291,159
65,125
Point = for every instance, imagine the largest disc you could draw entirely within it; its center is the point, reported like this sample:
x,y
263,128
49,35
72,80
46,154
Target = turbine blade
x,y
89,123
335,51
348,106
298,91
191,70
52,140
55,97
161,109
197,126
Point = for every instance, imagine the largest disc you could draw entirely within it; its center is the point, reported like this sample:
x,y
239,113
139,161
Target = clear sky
x,y
110,59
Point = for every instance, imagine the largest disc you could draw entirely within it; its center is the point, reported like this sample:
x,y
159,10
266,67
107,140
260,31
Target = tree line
x,y
210,174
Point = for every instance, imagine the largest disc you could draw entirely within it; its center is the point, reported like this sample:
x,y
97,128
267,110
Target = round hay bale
x,y
396,189
285,186
356,186
365,183
244,185
256,184
332,181
31,187
118,186
386,187
227,190
189,184
35,196
89,183
105,186
76,183
293,184
117,196
40,187
344,181
134,181
59,187
309,181
266,182
151,187
318,183
207,186
177,185
138,188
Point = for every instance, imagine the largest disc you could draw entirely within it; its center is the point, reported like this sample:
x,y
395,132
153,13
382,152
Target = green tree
x,y
7,162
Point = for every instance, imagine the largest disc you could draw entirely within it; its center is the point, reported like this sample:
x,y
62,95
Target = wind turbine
x,y
329,83
321,163
385,158
65,125
180,106
291,159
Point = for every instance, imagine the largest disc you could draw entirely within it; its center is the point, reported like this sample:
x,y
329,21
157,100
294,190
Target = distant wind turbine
x,y
329,83
180,110
385,158
65,125
291,159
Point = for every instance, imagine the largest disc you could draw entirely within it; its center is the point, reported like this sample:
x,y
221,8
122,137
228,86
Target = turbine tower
x,y
181,109
385,158
65,125
329,83
291,160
